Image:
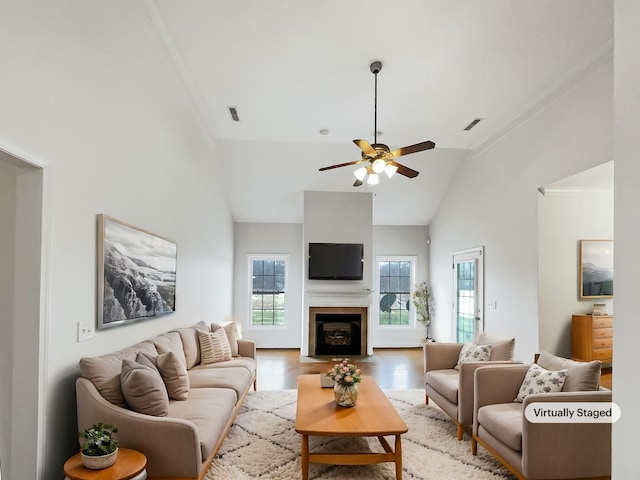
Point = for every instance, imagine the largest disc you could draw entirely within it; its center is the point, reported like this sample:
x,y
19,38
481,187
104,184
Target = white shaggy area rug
x,y
263,444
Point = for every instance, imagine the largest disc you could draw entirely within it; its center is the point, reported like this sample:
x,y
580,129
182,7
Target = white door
x,y
468,298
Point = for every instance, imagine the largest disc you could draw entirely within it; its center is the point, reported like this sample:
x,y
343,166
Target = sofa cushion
x,y
540,380
501,348
581,376
209,409
504,422
143,388
233,335
445,382
236,378
104,371
214,346
472,352
245,362
190,343
174,375
170,342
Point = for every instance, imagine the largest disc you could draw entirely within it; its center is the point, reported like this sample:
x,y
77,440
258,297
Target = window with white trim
x,y
396,280
268,279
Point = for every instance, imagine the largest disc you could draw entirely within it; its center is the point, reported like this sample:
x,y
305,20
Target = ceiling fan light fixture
x,y
360,173
390,170
378,165
373,179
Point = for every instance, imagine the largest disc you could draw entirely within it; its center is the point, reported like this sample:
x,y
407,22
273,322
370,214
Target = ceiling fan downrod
x,y
375,68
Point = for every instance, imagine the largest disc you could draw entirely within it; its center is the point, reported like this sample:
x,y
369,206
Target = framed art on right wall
x,y
596,269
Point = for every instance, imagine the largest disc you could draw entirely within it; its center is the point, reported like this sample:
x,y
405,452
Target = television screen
x,y
336,261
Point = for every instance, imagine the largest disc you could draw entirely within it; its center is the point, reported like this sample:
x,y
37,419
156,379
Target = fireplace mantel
x,y
334,298
341,293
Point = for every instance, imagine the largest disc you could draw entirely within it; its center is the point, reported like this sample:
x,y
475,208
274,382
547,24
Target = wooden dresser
x,y
592,338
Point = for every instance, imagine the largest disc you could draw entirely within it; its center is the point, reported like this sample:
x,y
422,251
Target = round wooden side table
x,y
130,465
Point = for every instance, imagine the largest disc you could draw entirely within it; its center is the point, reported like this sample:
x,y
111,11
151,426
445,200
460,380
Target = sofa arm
x,y
247,348
566,450
466,387
172,446
441,356
497,384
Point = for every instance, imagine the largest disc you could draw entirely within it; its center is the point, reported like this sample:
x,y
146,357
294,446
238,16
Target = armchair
x,y
539,450
452,389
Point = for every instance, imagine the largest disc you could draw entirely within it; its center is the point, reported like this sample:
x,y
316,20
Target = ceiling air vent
x,y
234,114
472,124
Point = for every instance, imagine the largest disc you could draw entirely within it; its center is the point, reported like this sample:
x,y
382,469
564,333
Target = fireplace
x,y
338,334
338,331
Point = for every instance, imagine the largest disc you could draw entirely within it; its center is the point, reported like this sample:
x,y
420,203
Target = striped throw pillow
x,y
214,346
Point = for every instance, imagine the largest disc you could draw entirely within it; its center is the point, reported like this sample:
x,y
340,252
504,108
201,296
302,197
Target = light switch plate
x,y
85,331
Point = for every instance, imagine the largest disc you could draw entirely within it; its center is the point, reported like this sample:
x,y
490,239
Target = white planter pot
x,y
99,462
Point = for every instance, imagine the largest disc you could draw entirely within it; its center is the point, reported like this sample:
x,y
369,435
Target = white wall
x,y
88,92
493,202
626,388
269,238
7,272
564,220
403,241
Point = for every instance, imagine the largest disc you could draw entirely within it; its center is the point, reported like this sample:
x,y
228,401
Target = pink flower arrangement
x,y
345,373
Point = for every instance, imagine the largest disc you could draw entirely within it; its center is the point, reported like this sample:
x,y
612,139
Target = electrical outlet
x,y
85,331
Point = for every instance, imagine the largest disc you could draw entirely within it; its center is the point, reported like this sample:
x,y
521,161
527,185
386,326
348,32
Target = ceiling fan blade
x,y
340,165
418,147
406,171
357,183
365,147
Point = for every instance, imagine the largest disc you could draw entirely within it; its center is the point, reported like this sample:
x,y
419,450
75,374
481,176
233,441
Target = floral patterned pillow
x,y
473,353
539,380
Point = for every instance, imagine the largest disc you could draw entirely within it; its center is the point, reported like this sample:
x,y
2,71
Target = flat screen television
x,y
336,261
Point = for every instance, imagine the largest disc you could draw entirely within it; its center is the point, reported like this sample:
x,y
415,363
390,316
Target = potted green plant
x,y
99,446
424,305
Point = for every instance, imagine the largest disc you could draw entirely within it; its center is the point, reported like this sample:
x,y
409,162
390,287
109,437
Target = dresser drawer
x,y
602,342
602,354
602,322
602,333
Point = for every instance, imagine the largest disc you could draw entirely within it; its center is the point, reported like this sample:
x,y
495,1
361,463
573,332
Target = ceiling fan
x,y
377,157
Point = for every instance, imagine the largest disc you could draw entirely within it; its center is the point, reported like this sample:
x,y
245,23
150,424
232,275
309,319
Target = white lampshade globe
x,y
378,165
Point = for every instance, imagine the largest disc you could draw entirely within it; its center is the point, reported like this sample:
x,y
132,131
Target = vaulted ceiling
x,y
292,68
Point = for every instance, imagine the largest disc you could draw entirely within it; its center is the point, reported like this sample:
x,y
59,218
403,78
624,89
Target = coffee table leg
x,y
398,457
305,457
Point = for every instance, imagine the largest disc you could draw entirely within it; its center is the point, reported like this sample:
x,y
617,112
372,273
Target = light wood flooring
x,y
278,369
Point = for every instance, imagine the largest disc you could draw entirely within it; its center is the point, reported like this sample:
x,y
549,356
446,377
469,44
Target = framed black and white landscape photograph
x,y
136,273
596,269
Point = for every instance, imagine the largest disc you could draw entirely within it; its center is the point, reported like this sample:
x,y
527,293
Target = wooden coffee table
x,y
373,416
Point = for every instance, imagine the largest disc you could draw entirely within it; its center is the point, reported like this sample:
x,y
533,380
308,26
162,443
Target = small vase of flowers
x,y
346,377
99,446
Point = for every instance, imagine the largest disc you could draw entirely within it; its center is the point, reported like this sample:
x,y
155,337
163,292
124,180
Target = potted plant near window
x,y
99,446
424,306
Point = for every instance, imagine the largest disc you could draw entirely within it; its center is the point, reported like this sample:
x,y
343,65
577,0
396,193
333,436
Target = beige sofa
x,y
451,388
179,437
533,450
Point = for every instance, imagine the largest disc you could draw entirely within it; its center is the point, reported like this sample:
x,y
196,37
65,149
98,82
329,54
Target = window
x,y
396,279
268,279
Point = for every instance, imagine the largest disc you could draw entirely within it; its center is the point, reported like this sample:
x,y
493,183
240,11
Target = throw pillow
x,y
540,380
214,346
232,335
473,353
582,376
143,389
501,348
174,374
